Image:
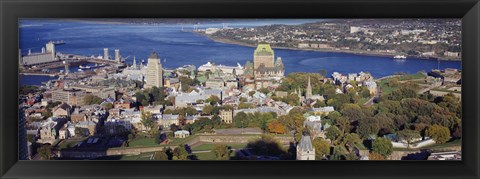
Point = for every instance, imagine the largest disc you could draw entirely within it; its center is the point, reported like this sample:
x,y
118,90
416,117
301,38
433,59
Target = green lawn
x,y
206,156
210,146
384,87
456,142
209,155
412,76
142,142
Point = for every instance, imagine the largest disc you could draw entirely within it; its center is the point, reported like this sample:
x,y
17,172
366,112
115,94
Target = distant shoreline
x,y
366,53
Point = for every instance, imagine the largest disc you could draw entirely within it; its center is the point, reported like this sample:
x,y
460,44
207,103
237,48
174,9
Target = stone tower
x,y
305,150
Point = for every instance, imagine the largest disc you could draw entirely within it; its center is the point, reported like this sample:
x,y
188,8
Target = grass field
x,y
209,156
142,142
412,76
385,88
210,146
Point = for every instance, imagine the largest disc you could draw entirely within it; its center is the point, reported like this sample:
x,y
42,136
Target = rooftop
x,y
263,50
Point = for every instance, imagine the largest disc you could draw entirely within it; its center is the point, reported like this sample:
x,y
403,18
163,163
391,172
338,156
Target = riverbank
x,y
356,52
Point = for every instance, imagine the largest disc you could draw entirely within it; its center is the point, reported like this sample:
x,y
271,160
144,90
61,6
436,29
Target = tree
x,y
276,127
45,152
343,123
375,156
382,146
339,153
408,135
92,99
160,155
322,148
240,120
147,120
79,131
213,100
208,109
333,133
367,126
180,153
352,111
222,152
350,140
108,106
294,119
438,133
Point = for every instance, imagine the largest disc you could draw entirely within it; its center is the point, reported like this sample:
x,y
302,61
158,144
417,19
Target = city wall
x,y
285,140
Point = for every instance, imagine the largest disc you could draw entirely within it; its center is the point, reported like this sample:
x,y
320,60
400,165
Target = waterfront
x,y
177,48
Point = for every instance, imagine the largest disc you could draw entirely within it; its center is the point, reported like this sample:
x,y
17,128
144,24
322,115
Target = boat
x,y
80,70
399,58
58,42
84,67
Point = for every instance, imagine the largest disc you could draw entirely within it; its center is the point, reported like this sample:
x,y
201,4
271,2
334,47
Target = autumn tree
x,y
375,156
438,133
276,127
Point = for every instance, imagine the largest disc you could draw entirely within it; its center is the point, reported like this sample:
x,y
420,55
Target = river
x,y
177,48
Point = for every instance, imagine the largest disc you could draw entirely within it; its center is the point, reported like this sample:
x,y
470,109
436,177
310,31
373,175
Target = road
x,y
371,101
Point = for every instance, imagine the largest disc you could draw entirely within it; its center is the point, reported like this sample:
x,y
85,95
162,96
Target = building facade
x,y
305,150
154,72
73,97
226,116
265,70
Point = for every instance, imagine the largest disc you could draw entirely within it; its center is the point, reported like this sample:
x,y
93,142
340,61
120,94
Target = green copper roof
x,y
263,50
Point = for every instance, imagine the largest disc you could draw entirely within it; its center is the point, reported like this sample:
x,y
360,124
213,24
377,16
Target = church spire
x,y
308,94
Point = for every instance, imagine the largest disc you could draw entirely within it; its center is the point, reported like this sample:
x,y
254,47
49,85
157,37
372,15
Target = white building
x,y
181,134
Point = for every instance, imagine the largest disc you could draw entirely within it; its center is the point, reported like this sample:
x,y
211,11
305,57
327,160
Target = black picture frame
x,y
11,11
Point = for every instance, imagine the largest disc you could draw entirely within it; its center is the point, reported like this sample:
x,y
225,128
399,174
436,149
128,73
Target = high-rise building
x,y
105,53
308,94
117,55
154,71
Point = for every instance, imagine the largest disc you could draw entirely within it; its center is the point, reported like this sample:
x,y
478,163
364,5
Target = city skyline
x,y
344,100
